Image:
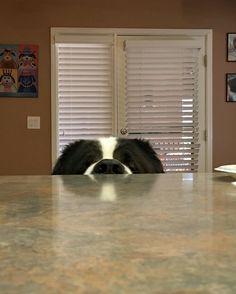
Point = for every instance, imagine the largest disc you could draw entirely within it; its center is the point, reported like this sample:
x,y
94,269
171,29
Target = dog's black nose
x,y
108,166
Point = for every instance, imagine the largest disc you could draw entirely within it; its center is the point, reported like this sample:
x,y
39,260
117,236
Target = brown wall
x,y
25,151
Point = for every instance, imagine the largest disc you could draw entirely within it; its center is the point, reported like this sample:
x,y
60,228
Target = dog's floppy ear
x,y
63,163
150,154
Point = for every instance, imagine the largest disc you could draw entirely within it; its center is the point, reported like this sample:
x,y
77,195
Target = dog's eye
x,y
88,162
84,165
132,166
129,162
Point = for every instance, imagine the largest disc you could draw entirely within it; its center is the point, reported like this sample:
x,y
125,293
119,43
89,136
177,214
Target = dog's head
x,y
108,156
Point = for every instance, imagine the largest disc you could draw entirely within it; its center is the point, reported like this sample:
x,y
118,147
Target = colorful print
x,y
19,70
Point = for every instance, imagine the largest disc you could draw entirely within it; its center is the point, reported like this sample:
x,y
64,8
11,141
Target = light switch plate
x,y
33,122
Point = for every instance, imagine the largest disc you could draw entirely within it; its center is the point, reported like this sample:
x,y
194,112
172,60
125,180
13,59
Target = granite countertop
x,y
166,233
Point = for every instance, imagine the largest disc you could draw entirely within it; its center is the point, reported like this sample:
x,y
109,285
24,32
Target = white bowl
x,y
230,169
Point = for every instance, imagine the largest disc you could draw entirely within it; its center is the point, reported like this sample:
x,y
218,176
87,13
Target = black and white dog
x,y
108,156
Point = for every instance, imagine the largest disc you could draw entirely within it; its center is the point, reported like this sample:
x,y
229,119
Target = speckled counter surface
x,y
168,233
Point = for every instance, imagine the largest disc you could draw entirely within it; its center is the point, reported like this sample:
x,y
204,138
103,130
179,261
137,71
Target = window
x,y
137,83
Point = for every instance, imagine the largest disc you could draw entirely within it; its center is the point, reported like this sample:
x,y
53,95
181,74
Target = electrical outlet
x,y
33,122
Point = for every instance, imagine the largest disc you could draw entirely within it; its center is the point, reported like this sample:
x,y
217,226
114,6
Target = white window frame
x,y
63,33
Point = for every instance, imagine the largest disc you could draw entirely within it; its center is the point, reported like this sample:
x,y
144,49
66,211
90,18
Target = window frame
x,y
61,33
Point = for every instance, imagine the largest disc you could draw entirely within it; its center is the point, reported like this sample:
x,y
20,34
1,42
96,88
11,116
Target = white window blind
x,y
162,99
84,90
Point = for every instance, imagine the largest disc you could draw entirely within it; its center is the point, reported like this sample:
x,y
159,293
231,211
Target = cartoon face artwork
x,y
27,71
8,59
7,82
18,70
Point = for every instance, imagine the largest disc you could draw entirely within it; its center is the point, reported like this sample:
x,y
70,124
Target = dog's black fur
x,y
135,154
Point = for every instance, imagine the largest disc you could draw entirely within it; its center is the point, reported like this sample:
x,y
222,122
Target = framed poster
x,y
18,70
231,87
231,47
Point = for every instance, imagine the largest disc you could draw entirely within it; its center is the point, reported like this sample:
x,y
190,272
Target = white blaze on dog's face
x,y
108,146
108,156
